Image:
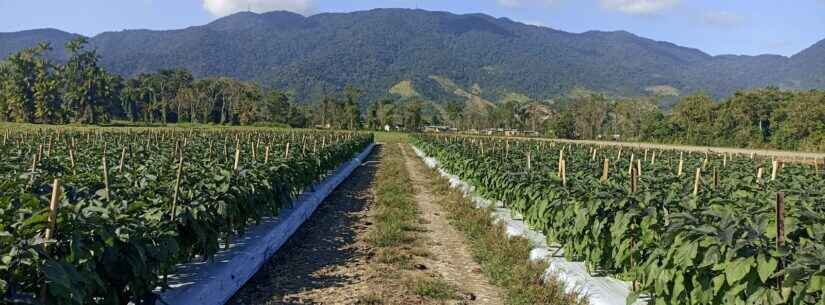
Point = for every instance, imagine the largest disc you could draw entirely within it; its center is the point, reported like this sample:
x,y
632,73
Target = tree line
x,y
757,118
34,89
769,117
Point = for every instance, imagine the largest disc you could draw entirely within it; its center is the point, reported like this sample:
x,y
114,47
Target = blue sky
x,y
714,26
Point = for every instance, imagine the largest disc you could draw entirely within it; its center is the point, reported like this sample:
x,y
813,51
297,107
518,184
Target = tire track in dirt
x,y
450,257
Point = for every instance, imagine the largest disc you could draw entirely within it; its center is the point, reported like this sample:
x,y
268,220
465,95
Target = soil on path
x,y
325,261
450,254
329,261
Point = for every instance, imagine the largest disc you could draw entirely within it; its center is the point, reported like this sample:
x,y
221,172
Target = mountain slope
x,y
14,42
381,48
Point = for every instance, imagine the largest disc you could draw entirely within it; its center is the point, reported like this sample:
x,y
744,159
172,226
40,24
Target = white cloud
x,y
226,7
639,7
527,3
722,19
535,23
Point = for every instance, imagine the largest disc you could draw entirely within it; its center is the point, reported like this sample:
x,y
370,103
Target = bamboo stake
x,y
237,159
681,165
266,155
286,151
561,160
605,169
177,189
529,161
639,167
759,175
53,206
105,178
774,170
780,231
563,164
696,181
122,158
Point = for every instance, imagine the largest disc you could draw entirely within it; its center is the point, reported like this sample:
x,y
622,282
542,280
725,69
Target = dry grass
x,y
505,261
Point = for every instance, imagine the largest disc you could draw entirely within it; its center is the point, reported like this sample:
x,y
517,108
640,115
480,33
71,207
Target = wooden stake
x,y
237,158
266,155
780,231
122,157
286,151
561,160
177,189
563,165
774,170
639,167
759,175
681,165
529,161
53,206
696,181
105,178
605,169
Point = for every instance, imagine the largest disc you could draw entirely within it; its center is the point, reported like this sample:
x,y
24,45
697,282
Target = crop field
x,y
683,227
103,216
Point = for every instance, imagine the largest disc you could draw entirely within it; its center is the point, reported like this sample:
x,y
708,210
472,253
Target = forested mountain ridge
x,y
378,49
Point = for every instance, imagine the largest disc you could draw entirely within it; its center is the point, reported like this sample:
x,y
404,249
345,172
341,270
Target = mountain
x,y
13,42
434,55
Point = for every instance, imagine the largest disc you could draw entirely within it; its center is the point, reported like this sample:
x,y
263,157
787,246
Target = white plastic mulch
x,y
599,290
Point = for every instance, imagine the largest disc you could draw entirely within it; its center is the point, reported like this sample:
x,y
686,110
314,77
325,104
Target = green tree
x,y
351,111
800,122
276,106
562,126
85,87
590,111
412,115
694,118
19,79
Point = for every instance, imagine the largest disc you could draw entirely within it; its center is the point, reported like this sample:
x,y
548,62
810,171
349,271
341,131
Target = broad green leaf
x,y
737,270
766,266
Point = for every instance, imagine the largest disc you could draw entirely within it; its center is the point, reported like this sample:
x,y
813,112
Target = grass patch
x,y
433,288
370,299
395,230
505,261
396,213
390,137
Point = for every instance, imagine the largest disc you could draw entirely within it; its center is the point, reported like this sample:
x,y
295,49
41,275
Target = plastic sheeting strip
x,y
216,281
598,290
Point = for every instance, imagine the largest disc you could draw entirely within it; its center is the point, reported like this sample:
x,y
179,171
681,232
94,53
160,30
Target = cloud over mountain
x,y
226,7
639,7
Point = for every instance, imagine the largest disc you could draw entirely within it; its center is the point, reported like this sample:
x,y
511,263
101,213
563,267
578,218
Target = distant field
x,y
782,155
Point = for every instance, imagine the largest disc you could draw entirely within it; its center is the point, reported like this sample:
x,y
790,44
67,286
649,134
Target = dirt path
x,y
450,255
325,262
330,260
